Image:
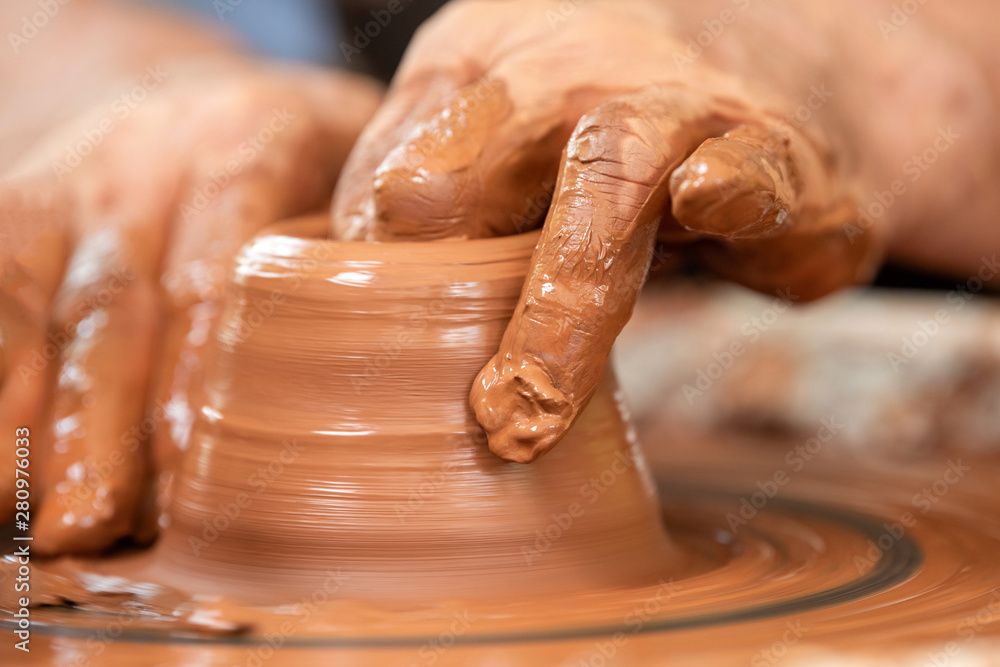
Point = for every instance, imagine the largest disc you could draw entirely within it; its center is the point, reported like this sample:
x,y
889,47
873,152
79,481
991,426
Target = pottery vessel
x,y
334,435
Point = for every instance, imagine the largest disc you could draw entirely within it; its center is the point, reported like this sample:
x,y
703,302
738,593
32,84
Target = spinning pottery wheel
x,y
338,505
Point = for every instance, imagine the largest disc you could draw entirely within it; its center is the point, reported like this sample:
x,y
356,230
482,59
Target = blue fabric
x,y
304,30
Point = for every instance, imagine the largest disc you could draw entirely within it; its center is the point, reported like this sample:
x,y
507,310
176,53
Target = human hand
x,y
499,104
118,230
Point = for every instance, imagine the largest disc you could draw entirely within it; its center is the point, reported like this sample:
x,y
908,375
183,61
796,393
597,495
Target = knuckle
x,y
618,143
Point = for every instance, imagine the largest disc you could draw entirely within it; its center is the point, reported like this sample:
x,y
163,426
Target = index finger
x,y
590,264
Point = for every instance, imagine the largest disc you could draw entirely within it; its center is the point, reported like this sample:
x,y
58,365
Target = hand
x,y
499,104
119,228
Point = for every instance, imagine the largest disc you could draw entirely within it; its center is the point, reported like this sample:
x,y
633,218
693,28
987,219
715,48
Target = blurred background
x,y
314,30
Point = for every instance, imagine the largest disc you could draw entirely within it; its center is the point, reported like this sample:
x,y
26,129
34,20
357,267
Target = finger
x,y
443,58
778,213
481,165
34,243
468,141
107,311
409,103
224,190
805,265
744,184
105,317
24,377
589,265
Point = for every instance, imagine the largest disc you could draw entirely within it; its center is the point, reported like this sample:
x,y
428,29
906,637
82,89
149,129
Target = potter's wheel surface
x,y
796,557
823,565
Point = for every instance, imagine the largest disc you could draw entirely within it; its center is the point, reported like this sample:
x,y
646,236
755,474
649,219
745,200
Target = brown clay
x,y
333,495
332,419
735,589
333,415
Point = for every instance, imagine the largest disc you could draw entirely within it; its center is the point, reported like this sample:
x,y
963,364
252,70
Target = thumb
x,y
442,72
408,104
590,264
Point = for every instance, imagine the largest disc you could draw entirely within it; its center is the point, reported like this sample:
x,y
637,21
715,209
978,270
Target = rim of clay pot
x,y
293,238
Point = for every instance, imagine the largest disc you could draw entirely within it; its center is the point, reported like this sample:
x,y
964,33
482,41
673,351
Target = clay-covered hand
x,y
117,233
638,140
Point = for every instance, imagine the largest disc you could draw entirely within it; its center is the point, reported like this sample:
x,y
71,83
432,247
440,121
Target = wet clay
x,y
338,500
332,434
333,421
827,561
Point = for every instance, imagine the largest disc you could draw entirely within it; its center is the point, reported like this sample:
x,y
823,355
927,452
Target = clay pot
x,y
334,435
